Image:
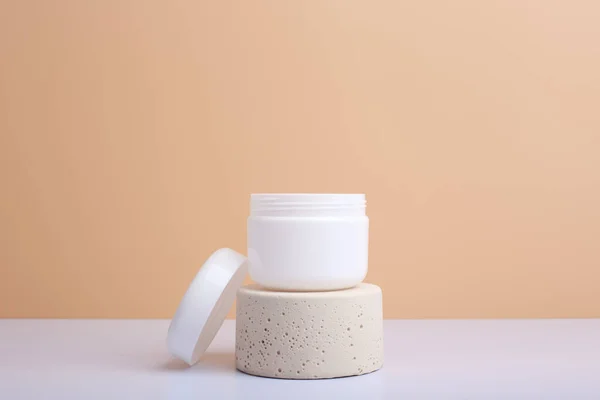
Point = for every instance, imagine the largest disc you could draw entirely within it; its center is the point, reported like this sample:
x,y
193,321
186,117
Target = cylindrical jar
x,y
308,242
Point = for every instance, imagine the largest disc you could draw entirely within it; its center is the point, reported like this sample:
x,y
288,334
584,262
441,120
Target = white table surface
x,y
426,359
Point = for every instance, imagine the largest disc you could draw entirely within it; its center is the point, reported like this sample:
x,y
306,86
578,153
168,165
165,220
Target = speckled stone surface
x,y
309,335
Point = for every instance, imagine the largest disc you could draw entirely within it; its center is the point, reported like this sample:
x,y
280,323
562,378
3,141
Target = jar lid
x,y
205,305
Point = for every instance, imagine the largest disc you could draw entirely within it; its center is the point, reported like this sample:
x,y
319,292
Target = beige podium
x,y
309,335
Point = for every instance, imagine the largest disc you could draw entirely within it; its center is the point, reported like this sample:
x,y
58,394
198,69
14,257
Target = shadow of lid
x,y
209,361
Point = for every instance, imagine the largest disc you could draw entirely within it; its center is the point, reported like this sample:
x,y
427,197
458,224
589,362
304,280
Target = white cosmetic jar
x,y
308,242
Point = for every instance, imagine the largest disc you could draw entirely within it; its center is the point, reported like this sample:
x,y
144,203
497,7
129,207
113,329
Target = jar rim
x,y
281,204
309,196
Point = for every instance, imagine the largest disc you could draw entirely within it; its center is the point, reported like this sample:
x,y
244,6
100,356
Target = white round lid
x,y
205,305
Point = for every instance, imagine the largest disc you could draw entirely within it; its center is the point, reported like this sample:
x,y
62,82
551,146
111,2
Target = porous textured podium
x,y
309,335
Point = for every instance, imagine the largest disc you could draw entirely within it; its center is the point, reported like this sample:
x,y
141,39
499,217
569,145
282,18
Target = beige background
x,y
132,133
